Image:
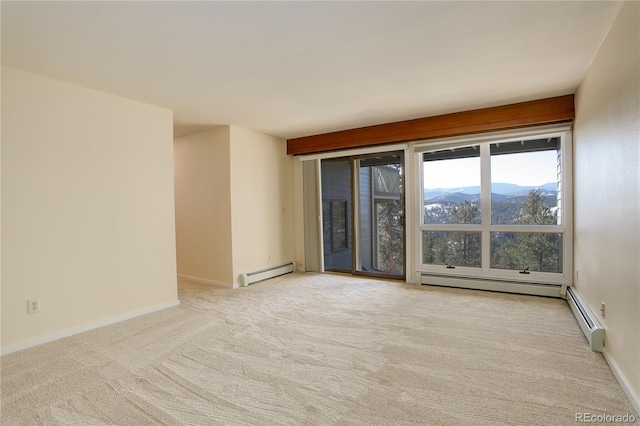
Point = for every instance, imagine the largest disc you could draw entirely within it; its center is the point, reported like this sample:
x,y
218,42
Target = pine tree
x,y
428,248
535,212
390,248
466,212
535,251
465,246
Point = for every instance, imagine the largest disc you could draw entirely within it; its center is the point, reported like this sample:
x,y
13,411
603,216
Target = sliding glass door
x,y
363,215
380,213
336,215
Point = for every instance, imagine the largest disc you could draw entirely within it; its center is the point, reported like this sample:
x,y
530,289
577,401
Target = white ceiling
x,y
293,69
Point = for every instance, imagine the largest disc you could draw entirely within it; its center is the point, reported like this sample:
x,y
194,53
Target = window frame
x,y
485,227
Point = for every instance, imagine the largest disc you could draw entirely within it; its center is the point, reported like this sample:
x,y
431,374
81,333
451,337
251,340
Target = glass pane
x,y
390,250
524,182
526,251
338,218
336,214
381,235
451,248
452,186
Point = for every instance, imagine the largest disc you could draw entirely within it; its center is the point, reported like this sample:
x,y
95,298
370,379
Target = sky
x,y
526,169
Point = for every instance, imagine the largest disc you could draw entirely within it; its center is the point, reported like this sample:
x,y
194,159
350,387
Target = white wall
x,y
87,207
261,201
607,193
203,200
0,212
234,204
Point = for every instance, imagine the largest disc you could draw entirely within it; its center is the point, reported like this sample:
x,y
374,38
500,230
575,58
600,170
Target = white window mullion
x,y
446,227
485,203
534,229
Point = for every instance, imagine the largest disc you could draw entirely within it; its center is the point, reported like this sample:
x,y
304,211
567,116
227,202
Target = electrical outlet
x,y
33,306
602,311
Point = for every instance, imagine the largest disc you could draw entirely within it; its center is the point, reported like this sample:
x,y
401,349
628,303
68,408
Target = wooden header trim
x,y
506,117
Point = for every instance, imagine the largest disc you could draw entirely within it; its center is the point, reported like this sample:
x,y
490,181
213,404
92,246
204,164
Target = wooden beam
x,y
513,116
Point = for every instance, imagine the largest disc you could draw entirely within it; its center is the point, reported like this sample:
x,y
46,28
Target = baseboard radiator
x,y
591,328
265,274
472,283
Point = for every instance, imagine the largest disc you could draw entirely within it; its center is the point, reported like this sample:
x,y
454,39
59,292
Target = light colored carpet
x,y
320,350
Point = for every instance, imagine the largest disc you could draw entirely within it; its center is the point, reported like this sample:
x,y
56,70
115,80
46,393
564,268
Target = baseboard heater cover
x,y
593,331
265,274
503,286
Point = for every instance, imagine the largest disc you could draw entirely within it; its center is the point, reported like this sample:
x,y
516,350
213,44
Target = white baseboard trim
x,y
624,383
86,327
205,281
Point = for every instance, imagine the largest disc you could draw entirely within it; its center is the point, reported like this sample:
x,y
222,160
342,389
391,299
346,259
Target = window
x,y
495,209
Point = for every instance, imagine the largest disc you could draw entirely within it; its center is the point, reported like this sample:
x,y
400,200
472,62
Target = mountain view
x,y
506,202
510,204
